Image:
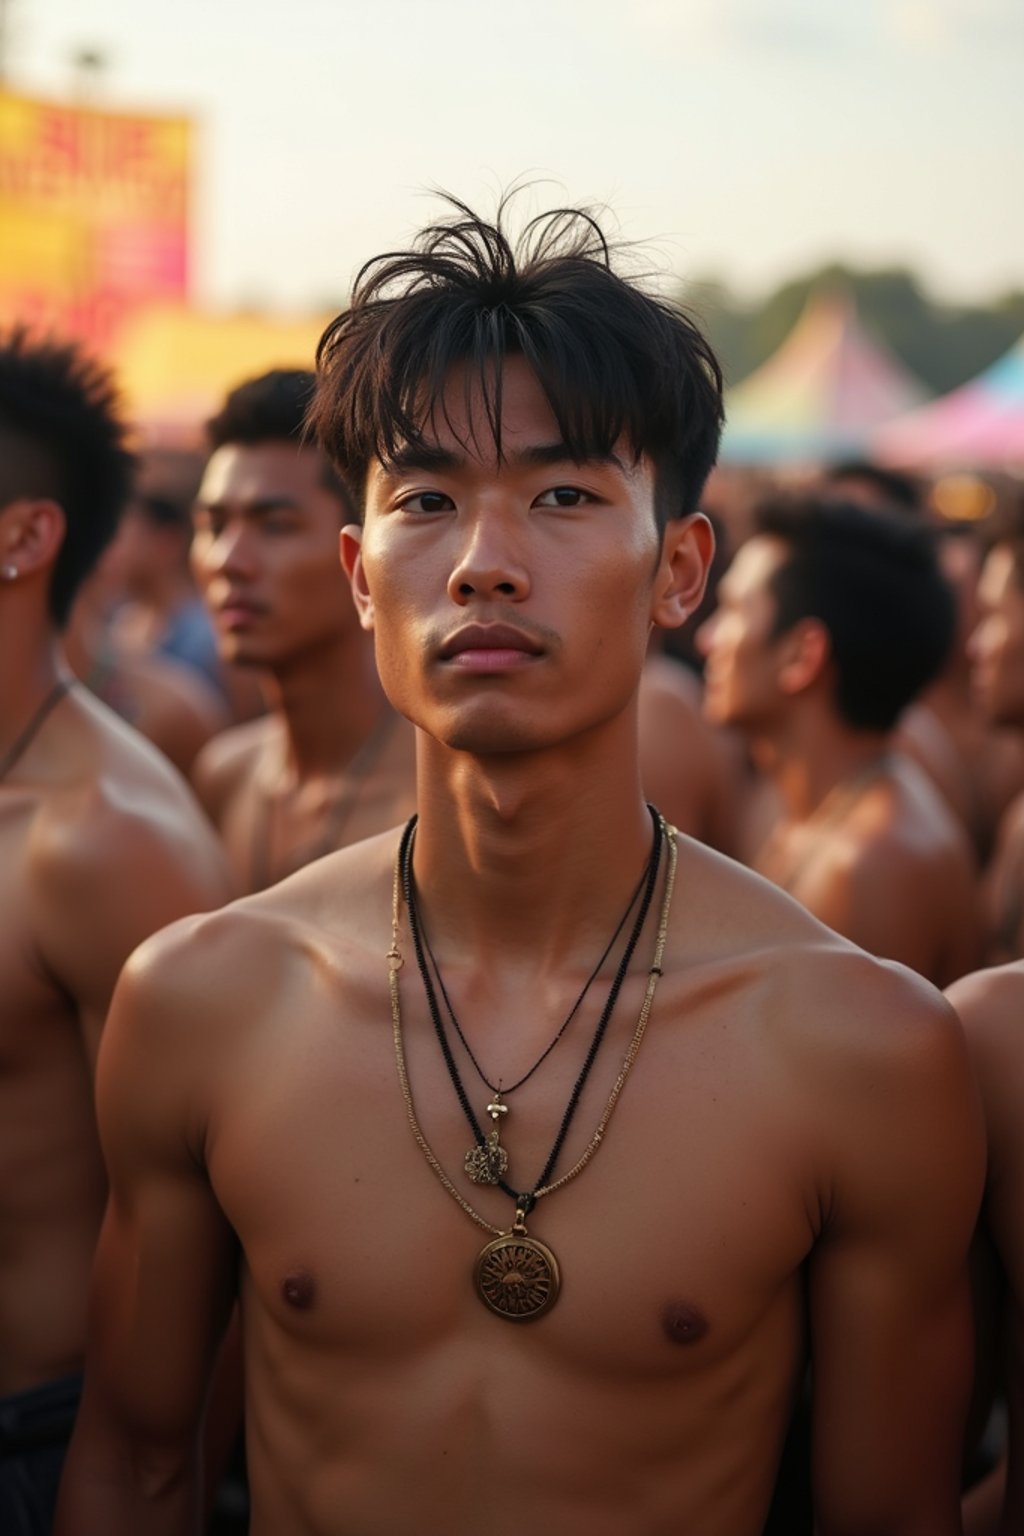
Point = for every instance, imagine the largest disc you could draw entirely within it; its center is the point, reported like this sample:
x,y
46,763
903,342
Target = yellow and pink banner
x,y
94,212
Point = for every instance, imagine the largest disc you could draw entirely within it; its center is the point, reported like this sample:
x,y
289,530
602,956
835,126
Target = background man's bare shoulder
x,y
991,1007
118,848
228,760
827,999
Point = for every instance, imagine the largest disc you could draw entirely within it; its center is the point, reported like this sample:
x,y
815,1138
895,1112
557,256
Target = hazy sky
x,y
747,137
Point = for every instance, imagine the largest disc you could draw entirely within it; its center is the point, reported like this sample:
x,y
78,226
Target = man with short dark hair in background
x,y
101,844
831,620
331,762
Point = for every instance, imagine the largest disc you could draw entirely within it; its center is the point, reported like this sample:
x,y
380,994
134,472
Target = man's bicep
x,y
889,1298
892,1361
164,1274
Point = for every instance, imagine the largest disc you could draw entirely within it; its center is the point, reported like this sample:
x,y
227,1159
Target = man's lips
x,y
236,612
490,647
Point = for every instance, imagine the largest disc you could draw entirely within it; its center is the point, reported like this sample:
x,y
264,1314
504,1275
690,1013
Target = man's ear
x,y
351,549
806,651
31,534
687,549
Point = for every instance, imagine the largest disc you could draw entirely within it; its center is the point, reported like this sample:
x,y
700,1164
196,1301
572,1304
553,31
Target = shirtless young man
x,y
331,762
996,653
100,845
795,1152
830,620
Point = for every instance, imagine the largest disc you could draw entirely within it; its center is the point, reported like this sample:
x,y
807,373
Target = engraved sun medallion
x,y
517,1278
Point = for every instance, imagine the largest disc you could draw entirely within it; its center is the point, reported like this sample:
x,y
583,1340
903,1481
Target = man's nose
x,y
230,551
491,563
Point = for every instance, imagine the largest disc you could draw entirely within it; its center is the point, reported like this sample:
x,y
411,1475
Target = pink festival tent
x,y
978,426
822,395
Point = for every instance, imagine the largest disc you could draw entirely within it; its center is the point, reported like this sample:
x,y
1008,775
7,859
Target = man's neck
x,y
30,663
528,856
808,757
329,702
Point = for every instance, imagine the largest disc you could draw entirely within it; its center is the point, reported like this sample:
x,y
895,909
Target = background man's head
x,y
65,470
616,365
832,601
151,551
996,647
266,523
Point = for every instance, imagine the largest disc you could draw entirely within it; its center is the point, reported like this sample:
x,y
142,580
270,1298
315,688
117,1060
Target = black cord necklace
x,y
479,1160
20,746
487,1161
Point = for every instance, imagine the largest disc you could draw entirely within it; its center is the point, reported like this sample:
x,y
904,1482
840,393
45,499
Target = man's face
x,y
265,553
996,646
511,602
741,672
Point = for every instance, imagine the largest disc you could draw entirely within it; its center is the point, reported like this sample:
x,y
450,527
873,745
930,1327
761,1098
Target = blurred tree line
x,y
943,344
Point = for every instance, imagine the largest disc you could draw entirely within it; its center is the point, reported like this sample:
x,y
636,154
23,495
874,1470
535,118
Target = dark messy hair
x,y
891,487
613,361
270,409
61,437
874,581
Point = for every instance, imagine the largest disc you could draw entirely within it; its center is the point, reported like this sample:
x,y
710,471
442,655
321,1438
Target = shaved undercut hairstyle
x,y
874,581
614,362
272,409
62,438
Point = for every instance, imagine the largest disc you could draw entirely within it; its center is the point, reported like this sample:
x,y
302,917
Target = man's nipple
x,y
299,1289
683,1324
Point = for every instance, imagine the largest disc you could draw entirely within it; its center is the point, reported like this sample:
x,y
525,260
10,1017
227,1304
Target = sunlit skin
x,y
265,554
741,655
996,653
996,645
100,845
991,1006
253,1116
859,835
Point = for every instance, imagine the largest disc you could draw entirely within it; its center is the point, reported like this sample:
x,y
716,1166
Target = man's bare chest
x,y
687,1225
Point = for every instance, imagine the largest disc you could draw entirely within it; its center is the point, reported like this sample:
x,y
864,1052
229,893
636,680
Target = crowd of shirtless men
x,y
330,759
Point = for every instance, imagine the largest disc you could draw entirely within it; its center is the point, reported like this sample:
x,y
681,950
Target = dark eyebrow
x,y
262,507
428,457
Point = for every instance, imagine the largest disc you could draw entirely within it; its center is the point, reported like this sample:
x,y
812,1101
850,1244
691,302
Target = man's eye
x,y
563,496
427,501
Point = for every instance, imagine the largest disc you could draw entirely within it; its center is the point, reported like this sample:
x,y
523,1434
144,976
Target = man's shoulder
x,y
118,809
990,1004
819,990
900,833
326,919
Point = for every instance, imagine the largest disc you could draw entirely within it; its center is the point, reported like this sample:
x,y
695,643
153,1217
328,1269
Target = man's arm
x,y
889,1300
165,1267
991,1006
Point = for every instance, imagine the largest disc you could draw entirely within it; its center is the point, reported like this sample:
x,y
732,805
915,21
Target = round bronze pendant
x,y
517,1277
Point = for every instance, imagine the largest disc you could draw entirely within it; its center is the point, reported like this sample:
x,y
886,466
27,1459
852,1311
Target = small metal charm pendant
x,y
517,1277
486,1165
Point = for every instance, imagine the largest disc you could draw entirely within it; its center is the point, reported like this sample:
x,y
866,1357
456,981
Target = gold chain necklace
x,y
515,1275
